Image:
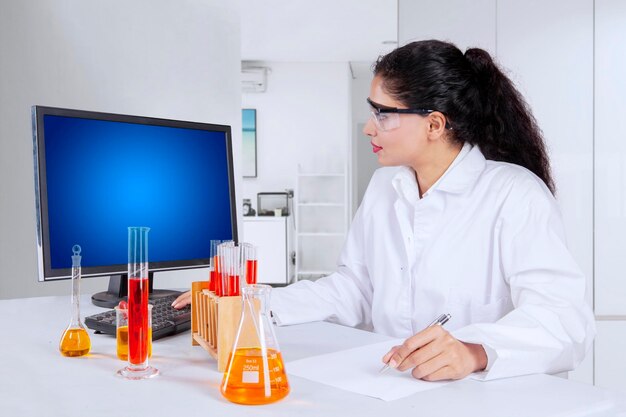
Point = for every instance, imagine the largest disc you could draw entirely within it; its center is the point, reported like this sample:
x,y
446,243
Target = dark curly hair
x,y
480,102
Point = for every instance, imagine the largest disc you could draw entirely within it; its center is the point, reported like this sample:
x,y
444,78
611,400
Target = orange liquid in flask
x,y
75,342
246,382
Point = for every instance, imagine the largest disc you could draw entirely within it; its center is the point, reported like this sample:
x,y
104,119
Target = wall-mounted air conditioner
x,y
254,79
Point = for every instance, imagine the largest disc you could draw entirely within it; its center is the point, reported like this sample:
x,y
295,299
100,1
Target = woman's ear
x,y
437,125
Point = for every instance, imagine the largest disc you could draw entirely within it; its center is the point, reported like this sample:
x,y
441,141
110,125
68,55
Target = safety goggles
x,y
388,118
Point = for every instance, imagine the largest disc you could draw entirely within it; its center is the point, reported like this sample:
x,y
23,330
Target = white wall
x,y
157,58
610,145
302,118
364,161
465,23
610,191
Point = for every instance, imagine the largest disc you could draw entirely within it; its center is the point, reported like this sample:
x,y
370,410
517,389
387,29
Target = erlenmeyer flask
x,y
255,373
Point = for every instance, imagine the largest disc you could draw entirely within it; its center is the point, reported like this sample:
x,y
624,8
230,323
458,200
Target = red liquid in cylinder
x,y
251,277
138,320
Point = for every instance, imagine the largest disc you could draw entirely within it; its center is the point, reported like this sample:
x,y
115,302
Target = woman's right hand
x,y
182,300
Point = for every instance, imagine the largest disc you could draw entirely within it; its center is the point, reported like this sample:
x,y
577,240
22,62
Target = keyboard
x,y
166,320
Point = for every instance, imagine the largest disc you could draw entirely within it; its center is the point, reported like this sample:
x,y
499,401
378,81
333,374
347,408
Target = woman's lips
x,y
375,148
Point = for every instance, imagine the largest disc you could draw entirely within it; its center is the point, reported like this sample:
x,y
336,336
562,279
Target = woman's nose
x,y
369,129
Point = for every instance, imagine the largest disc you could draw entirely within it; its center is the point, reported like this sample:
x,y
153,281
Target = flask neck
x,y
259,296
75,300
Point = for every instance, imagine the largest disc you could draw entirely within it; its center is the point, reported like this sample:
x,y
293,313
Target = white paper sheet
x,y
357,370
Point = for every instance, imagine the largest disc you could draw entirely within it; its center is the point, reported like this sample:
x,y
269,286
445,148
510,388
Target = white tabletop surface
x,y
35,380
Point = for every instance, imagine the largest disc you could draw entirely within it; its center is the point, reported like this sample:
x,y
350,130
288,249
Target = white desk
x,y
36,380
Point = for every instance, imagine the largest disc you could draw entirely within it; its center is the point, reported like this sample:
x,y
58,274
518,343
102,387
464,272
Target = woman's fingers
x,y
414,343
388,354
182,300
421,356
430,367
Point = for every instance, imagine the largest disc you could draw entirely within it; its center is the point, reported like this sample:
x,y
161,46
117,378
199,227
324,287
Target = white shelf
x,y
322,221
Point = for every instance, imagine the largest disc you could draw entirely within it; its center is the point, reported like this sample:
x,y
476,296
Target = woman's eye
x,y
382,116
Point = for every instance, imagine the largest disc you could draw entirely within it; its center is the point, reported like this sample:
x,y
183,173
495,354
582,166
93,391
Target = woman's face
x,y
406,144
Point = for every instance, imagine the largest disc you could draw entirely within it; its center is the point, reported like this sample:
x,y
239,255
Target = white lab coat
x,y
485,244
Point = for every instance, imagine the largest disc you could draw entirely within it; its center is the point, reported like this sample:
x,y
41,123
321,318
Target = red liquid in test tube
x,y
233,285
251,271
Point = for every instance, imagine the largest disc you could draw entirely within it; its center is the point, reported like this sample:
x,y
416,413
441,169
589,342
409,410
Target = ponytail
x,y
481,104
509,130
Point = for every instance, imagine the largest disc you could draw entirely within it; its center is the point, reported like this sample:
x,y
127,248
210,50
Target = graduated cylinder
x,y
138,366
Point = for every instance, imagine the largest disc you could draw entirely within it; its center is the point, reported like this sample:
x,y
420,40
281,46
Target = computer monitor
x,y
96,174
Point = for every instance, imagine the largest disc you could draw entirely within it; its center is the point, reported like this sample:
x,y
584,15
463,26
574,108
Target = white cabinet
x,y
610,158
322,222
272,236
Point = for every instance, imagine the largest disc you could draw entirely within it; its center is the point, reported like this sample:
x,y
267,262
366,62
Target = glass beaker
x,y
121,325
255,373
138,365
75,340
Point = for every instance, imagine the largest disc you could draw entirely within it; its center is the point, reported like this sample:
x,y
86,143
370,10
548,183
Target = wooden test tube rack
x,y
214,322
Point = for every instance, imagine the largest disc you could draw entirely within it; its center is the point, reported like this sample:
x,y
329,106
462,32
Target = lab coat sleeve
x,y
343,297
551,327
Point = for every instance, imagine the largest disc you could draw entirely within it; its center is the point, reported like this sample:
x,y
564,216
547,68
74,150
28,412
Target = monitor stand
x,y
118,291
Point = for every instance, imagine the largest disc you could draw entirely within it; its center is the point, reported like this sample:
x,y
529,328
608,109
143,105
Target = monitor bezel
x,y
45,271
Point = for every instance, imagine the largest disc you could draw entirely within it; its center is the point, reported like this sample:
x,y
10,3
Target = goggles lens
x,y
385,121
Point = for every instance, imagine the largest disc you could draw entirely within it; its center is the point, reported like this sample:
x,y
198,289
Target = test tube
x,y
249,263
234,271
223,262
214,265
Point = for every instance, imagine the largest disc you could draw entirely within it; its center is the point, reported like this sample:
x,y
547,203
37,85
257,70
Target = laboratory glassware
x,y
138,366
255,373
214,265
75,339
233,271
121,325
224,255
249,262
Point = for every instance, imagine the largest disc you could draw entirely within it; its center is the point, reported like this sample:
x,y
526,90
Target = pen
x,y
441,320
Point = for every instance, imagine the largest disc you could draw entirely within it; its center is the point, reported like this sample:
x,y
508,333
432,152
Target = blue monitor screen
x,y
102,176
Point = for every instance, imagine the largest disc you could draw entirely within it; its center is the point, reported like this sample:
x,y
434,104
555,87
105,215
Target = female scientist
x,y
461,220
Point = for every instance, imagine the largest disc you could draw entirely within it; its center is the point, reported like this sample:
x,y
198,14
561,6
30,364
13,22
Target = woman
x,y
461,219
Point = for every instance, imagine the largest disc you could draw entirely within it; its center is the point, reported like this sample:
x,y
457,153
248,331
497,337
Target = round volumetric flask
x,y
75,340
